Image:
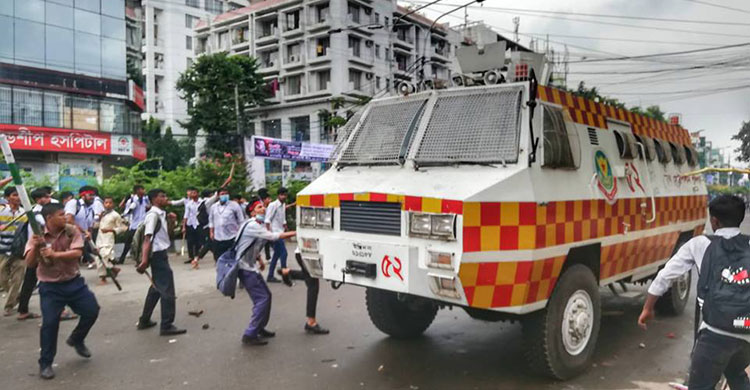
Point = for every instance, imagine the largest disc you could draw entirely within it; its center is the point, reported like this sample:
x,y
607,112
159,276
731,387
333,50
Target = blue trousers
x,y
53,298
261,296
164,281
279,252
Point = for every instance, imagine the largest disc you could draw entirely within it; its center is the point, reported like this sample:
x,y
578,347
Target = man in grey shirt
x,y
251,238
224,220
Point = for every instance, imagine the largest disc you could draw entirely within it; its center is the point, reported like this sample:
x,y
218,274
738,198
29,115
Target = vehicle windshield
x,y
462,126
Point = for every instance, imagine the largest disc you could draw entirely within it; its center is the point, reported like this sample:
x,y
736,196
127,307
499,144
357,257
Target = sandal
x,y
28,316
194,264
67,316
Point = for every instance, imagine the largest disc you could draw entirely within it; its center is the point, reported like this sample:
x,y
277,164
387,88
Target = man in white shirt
x,y
224,220
135,211
82,213
716,351
154,255
276,223
190,223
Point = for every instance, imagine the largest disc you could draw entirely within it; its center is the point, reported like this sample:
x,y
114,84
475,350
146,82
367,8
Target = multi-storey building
x,y
65,102
315,52
168,49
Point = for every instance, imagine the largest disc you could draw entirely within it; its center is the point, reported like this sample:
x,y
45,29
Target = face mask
x,y
260,218
223,198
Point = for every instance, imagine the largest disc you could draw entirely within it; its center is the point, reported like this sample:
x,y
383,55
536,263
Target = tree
x,y
209,88
167,152
592,93
744,137
134,73
653,112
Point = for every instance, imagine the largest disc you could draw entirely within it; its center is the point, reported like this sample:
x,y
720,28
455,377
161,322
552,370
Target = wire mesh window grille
x,y
473,127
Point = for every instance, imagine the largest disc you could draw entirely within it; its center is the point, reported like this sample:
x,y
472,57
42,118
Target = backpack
x,y
228,267
18,246
724,284
202,214
139,237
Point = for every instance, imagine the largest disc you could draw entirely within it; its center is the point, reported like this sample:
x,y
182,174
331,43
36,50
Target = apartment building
x,y
312,52
66,105
168,49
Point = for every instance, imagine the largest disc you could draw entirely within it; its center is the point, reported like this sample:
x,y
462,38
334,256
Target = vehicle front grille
x,y
371,217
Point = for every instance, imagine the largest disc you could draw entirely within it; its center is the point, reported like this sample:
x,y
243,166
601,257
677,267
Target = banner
x,y
279,149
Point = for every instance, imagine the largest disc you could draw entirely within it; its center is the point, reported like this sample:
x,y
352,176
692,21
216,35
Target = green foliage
x,y
654,112
166,152
32,182
205,174
743,136
592,93
209,89
727,190
135,74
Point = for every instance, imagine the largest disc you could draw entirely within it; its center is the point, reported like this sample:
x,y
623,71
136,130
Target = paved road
x,y
457,352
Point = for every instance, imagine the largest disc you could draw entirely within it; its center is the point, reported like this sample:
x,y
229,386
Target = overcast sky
x,y
704,101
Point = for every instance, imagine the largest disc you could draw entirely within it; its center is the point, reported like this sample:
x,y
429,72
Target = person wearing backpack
x,y
41,197
250,242
135,208
154,254
723,262
12,268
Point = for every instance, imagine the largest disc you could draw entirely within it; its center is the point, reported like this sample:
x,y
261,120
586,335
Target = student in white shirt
x,y
154,255
276,223
190,223
716,351
224,220
135,210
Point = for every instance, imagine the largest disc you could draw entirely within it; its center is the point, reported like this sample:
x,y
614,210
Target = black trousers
x,y
207,243
313,285
715,354
164,281
194,237
128,242
29,282
219,247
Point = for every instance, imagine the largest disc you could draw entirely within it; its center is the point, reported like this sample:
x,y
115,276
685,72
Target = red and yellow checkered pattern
x,y
408,203
590,113
504,284
492,226
627,256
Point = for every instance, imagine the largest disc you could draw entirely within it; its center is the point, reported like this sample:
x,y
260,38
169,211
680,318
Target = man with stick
x,y
56,254
12,269
154,255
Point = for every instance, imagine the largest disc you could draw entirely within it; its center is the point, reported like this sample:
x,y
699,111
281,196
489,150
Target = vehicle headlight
x,y
325,218
309,245
420,224
442,225
308,215
444,285
432,225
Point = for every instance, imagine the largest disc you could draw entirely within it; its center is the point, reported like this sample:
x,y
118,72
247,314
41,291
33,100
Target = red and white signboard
x,y
72,141
135,94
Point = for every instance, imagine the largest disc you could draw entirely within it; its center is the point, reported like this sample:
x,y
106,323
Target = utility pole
x,y
237,107
516,23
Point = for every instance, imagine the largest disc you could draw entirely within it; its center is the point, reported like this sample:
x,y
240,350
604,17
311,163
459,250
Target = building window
x,y
355,80
59,55
85,113
377,51
112,115
377,82
300,128
190,21
214,6
292,20
59,15
353,10
354,45
272,128
27,107
28,39
88,54
321,47
294,85
189,43
189,63
224,40
6,100
268,28
322,13
268,58
377,18
324,77
387,54
294,52
193,3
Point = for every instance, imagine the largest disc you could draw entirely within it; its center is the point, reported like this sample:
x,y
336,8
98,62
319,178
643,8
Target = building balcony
x,y
359,90
439,53
314,58
269,67
315,90
240,43
365,57
320,24
295,95
293,33
404,41
267,39
294,61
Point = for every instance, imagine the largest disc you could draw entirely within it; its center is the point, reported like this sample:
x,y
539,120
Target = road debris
x,y
380,369
196,313
172,341
670,335
641,345
205,326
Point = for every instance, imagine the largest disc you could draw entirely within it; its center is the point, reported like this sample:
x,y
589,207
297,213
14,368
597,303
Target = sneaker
x,y
145,324
285,277
172,331
80,348
253,341
273,280
317,329
46,372
266,333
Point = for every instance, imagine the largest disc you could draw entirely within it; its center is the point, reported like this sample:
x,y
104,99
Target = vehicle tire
x,y
560,339
402,319
674,300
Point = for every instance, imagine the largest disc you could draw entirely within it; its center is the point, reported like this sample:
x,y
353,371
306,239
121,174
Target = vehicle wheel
x,y
399,318
674,300
561,338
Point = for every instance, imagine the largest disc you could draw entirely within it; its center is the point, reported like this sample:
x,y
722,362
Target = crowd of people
x,y
72,232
